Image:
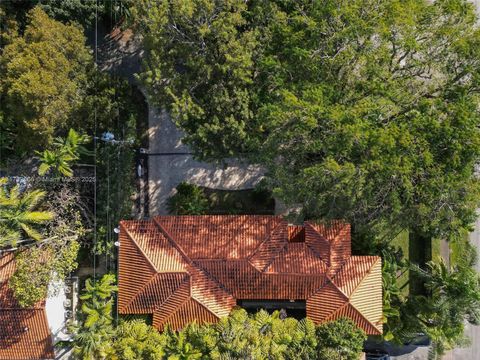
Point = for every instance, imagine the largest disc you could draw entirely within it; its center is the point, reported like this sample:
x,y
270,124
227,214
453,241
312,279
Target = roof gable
x,y
24,332
185,268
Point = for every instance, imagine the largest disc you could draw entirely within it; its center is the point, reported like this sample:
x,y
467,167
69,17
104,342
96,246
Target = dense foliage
x,y
189,199
341,337
121,110
42,266
95,329
65,151
454,298
363,110
83,12
38,268
239,336
43,83
20,216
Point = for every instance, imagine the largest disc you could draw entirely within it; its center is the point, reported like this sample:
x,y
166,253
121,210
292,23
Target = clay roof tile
x,y
195,268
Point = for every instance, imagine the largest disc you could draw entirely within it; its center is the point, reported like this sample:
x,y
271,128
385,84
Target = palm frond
x,y
32,233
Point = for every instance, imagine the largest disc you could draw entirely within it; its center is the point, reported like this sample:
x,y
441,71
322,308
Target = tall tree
x,y
454,298
43,83
137,340
360,109
342,337
38,268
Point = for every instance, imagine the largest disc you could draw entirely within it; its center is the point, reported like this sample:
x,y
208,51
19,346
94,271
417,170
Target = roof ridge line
x,y
141,290
313,228
267,238
155,272
294,274
315,253
366,273
173,242
344,224
272,259
363,316
327,261
182,252
186,279
205,307
212,278
329,280
138,247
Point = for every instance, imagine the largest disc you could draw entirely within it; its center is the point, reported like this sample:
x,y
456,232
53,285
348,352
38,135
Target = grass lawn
x,y
402,242
460,250
416,251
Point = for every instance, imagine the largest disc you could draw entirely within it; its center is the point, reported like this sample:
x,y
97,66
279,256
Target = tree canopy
x,y
365,110
454,299
43,83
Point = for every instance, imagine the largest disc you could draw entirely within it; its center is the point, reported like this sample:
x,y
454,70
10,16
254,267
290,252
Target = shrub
x,y
189,200
342,337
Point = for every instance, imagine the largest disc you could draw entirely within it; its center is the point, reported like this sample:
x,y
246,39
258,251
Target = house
x,y
24,332
181,269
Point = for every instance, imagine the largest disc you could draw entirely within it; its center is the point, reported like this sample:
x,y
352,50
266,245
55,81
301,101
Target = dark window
x,y
293,308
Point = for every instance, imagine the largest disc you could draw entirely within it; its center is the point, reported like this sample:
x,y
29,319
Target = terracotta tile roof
x,y
195,268
24,333
297,258
268,249
218,237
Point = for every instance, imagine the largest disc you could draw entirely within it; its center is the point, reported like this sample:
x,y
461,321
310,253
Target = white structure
x,y
60,308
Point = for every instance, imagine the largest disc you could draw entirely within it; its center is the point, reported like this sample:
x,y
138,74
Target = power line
x,y
95,150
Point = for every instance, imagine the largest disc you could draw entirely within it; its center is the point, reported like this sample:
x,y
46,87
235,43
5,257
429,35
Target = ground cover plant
x,y
239,336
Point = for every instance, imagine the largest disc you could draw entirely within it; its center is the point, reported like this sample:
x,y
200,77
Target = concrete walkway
x,y
171,162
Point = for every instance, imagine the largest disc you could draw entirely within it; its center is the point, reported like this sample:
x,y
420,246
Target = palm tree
x,y
18,214
137,340
392,297
97,302
93,345
102,289
64,152
454,296
94,335
179,347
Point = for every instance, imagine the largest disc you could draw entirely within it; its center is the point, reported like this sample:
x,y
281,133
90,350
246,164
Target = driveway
x,y
171,162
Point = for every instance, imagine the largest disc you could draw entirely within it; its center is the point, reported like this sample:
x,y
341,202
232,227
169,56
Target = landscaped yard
x,y
250,201
401,241
415,251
